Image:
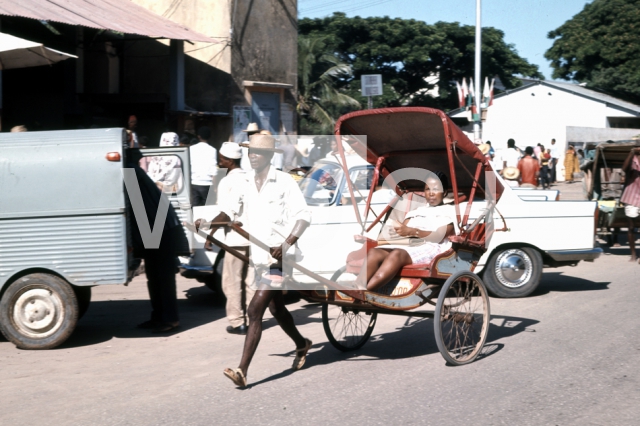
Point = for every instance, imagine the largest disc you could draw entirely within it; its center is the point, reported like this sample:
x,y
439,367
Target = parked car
x,y
542,231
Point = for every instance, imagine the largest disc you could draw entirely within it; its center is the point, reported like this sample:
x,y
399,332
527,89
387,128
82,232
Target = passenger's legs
x,y
390,267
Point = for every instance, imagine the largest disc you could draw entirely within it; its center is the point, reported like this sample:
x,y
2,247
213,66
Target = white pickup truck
x,y
542,231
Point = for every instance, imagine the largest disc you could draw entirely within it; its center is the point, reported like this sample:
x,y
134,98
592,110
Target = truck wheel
x,y
38,311
513,272
83,295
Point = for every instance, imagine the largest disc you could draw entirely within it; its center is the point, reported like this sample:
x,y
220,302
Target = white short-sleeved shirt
x,y
204,163
229,189
271,213
511,156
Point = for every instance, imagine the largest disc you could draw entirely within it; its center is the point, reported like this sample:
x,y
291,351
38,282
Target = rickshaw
x,y
604,183
400,138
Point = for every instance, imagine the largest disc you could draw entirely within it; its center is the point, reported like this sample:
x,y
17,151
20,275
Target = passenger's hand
x,y
208,245
198,222
405,231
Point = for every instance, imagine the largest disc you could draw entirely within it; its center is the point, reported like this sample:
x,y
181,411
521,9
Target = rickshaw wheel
x,y
347,329
461,318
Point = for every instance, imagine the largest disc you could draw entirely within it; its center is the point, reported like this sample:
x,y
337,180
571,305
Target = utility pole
x,y
477,118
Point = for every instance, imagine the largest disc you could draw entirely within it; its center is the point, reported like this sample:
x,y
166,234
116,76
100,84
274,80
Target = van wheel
x,y
513,272
38,311
83,295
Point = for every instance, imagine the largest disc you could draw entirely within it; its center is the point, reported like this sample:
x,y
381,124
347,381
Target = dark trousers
x,y
199,195
552,167
160,268
545,176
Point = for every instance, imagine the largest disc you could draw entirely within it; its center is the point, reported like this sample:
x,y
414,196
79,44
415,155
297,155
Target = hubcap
x,y
38,312
513,268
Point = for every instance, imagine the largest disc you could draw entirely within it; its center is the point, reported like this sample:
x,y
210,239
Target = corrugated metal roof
x,y
584,91
117,15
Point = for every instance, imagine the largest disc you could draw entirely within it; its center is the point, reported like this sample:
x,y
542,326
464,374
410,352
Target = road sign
x,y
371,85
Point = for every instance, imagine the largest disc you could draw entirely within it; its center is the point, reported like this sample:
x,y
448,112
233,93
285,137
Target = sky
x,y
525,23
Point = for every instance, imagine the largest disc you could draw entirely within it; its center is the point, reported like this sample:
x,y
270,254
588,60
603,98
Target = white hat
x,y
252,128
231,150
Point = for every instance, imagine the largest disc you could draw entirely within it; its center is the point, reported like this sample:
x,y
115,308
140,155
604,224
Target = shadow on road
x,y
557,281
415,338
118,318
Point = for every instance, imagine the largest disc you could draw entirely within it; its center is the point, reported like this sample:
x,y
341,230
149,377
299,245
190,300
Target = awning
x,y
116,15
17,52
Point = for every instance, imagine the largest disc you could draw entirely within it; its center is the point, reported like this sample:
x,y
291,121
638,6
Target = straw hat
x,y
262,142
252,128
484,148
510,173
231,150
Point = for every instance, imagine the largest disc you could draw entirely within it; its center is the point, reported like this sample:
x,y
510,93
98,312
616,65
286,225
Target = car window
x,y
361,179
320,186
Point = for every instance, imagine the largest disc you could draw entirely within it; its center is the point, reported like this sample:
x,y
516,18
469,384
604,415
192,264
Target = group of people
x,y
533,167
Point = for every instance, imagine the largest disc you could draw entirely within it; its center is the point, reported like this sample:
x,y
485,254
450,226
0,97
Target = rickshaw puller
x,y
272,200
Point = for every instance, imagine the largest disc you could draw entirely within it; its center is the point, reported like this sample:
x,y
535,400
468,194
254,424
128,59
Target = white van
x,y
64,227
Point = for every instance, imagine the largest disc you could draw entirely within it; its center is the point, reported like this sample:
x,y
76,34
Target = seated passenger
x,y
432,223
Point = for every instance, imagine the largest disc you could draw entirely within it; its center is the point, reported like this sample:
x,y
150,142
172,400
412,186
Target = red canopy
x,y
415,137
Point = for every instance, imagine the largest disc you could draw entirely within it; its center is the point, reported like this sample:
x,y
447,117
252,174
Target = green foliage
x,y
406,51
319,73
600,46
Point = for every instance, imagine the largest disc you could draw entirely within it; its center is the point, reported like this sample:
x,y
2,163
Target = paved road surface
x,y
568,355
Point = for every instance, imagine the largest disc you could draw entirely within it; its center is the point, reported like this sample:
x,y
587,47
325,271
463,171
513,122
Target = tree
x,y
319,73
406,51
600,46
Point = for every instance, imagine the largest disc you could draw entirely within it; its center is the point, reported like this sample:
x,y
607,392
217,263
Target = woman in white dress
x,y
433,223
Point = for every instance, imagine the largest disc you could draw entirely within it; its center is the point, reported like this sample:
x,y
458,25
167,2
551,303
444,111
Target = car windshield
x,y
320,186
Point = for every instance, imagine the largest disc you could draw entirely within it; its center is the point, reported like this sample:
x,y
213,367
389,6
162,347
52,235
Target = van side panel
x,y
85,250
60,173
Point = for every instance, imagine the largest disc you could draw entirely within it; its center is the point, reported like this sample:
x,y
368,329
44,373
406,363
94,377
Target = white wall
x,y
538,114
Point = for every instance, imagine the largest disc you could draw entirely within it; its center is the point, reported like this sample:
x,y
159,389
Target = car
x,y
542,231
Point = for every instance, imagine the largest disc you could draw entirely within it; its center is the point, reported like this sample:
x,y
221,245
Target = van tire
x,y
38,311
513,272
83,295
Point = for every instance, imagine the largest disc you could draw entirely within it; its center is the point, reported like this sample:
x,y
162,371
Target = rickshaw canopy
x,y
416,137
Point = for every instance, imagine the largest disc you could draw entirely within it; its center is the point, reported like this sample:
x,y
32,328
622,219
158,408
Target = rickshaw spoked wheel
x,y
347,329
461,319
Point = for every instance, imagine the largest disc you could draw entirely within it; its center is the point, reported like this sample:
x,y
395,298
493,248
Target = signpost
x,y
371,85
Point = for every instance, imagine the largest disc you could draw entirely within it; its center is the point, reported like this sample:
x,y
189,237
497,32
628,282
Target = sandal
x,y
236,376
301,356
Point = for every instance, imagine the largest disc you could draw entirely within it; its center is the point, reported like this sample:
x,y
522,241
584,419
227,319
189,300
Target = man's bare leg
x,y
285,320
255,312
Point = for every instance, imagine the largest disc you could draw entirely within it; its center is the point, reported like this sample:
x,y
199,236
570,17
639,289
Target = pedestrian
x,y
274,207
511,176
631,196
571,164
492,152
511,155
529,169
160,263
545,159
132,136
251,130
288,153
555,157
204,160
237,276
